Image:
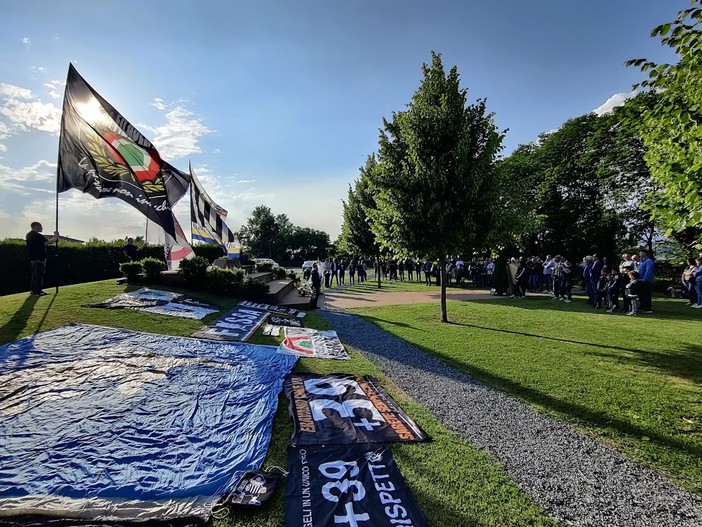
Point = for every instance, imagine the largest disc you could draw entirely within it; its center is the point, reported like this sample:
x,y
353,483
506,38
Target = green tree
x,y
672,127
434,186
357,236
582,187
305,243
266,235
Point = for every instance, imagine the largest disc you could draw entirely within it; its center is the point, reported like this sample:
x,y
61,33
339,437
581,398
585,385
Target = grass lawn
x,y
371,286
454,483
634,382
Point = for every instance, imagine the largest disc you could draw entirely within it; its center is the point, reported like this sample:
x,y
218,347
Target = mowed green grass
x,y
634,382
453,483
371,286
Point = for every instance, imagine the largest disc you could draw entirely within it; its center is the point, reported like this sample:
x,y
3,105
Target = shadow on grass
x,y
686,363
18,322
663,308
600,420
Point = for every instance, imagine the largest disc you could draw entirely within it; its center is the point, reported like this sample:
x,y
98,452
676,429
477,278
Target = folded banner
x,y
355,485
109,425
286,321
343,409
237,325
281,310
160,302
312,343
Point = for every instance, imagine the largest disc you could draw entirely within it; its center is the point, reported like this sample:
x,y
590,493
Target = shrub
x,y
131,270
292,275
152,268
264,267
253,290
193,271
218,280
280,273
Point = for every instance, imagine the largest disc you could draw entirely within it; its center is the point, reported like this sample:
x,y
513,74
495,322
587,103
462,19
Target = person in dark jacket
x,y
316,286
36,250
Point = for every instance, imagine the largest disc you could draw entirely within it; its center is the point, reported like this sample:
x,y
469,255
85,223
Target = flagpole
x,y
56,247
190,170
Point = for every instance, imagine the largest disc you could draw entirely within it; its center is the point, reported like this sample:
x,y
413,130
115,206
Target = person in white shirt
x,y
548,273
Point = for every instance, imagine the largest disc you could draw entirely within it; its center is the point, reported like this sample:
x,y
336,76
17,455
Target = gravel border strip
x,y
577,480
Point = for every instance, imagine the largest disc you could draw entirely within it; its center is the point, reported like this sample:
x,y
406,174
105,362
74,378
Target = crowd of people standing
x,y
624,287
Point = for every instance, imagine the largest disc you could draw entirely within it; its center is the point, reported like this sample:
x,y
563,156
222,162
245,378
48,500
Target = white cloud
x,y
5,132
158,103
11,91
54,87
37,69
27,181
216,151
615,100
180,136
26,41
28,111
35,114
245,181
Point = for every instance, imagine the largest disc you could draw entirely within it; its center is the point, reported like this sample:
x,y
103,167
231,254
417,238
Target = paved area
x,y
335,298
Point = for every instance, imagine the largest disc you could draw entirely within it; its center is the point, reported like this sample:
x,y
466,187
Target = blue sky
x,y
280,102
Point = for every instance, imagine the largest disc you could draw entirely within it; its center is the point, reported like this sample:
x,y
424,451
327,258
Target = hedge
x,y
75,263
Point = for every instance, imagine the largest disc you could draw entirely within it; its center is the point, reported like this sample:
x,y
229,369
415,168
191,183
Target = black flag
x,y
102,154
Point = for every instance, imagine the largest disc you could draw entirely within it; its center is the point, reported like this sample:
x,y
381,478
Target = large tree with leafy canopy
x,y
672,127
435,184
356,234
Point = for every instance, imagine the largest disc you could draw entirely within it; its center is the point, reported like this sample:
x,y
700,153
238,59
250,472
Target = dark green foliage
x,y
75,262
131,270
193,271
671,126
280,273
224,281
264,267
152,268
253,290
435,189
583,186
292,275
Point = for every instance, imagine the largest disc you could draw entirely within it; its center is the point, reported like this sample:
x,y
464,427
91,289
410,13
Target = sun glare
x,y
91,111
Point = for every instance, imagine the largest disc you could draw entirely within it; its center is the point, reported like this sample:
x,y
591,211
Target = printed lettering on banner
x,y
236,325
355,485
343,409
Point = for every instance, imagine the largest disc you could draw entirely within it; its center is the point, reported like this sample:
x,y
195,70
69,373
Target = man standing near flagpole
x,y
36,249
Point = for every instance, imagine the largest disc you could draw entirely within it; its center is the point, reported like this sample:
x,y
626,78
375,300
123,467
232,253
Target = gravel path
x,y
577,480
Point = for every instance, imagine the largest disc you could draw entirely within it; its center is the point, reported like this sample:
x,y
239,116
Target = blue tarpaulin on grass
x,y
110,424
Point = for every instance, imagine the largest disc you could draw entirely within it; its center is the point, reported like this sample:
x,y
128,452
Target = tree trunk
x,y
442,277
377,269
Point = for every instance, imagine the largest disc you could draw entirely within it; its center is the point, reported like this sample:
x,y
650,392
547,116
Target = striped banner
x,y
208,220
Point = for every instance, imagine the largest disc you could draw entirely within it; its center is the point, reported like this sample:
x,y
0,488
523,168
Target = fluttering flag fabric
x,y
208,220
102,154
177,249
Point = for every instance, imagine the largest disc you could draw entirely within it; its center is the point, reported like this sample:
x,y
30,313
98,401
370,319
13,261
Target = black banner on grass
x,y
237,325
356,485
344,409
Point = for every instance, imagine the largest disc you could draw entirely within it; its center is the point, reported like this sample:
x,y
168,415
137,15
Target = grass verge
x,y
454,483
634,382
